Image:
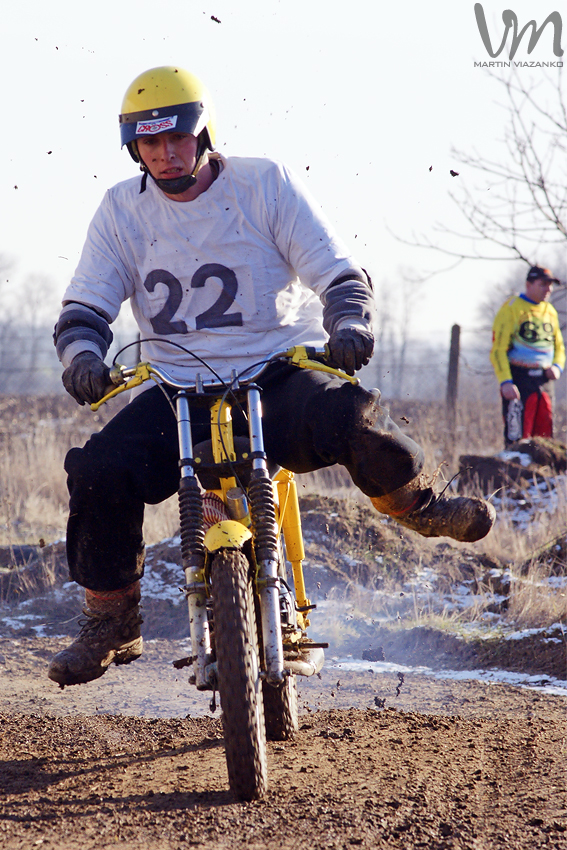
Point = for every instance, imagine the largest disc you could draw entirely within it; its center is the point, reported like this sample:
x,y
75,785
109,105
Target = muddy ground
x,y
382,760
443,765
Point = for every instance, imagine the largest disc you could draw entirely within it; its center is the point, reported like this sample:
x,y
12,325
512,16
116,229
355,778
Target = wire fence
x,y
415,370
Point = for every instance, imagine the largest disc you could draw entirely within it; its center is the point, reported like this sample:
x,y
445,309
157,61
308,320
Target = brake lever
x,y
141,374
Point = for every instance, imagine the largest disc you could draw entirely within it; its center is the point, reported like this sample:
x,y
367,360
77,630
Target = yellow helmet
x,y
166,99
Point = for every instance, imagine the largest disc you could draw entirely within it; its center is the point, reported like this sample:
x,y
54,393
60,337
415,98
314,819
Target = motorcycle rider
x,y
232,258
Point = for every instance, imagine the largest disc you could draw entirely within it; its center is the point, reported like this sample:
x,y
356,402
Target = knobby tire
x,y
239,681
281,703
280,710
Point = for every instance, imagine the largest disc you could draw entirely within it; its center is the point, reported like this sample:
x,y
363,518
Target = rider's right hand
x,y
87,378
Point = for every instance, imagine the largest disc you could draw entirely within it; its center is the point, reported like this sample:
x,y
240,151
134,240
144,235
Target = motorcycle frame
x,y
235,534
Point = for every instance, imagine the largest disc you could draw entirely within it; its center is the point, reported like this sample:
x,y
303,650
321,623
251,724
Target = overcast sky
x,y
363,99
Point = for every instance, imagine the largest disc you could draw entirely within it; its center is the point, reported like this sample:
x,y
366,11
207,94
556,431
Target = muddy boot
x,y
417,507
110,633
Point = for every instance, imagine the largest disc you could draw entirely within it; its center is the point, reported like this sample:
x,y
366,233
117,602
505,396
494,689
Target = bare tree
x,y
411,292
518,206
401,365
28,362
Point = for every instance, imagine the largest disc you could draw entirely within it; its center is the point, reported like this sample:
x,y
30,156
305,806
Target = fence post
x,y
452,384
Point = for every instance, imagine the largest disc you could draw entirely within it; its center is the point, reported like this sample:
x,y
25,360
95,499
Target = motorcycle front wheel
x,y
238,667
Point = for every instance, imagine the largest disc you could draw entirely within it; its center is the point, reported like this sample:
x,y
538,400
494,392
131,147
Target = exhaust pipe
x,y
308,663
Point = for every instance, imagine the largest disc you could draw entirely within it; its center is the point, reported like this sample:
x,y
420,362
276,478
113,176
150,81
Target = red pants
x,y
538,416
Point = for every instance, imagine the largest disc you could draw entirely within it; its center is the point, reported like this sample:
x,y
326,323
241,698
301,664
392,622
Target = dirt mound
x,y
553,557
524,462
438,649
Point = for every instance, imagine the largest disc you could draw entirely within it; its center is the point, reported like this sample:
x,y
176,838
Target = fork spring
x,y
263,512
191,519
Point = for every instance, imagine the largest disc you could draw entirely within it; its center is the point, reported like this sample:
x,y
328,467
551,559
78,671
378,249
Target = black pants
x,y
311,421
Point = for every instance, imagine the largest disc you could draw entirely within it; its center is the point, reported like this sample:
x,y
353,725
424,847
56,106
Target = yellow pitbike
x,y
240,524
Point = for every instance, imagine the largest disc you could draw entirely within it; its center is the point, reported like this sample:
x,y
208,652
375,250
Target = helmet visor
x,y
182,118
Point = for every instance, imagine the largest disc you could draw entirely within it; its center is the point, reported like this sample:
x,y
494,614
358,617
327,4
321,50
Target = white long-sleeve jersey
x,y
234,275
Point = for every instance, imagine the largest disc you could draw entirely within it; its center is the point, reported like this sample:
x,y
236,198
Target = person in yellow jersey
x,y
528,354
225,260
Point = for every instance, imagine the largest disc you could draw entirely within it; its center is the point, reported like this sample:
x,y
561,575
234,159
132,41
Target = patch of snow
x,y
522,633
19,622
545,684
522,458
556,581
163,581
542,496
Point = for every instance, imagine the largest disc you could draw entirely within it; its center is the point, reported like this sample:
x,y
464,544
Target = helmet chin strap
x,y
176,185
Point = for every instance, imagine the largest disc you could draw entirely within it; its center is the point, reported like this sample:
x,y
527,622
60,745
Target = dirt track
x,y
443,765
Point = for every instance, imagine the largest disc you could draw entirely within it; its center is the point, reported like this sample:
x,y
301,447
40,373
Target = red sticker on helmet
x,y
156,125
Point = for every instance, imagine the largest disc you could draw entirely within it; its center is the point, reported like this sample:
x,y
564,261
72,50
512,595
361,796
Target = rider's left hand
x,y
350,349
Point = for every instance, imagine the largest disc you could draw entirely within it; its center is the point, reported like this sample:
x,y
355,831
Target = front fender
x,y
227,534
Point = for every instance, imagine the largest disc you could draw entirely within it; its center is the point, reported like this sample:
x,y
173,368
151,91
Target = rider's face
x,y
168,155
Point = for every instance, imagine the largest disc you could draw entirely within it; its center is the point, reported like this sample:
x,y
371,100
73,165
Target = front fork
x,y
265,532
193,549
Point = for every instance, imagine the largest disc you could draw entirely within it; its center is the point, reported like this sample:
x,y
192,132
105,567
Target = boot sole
x,y
125,655
129,653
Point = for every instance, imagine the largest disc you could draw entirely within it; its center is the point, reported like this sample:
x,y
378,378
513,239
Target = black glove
x,y
87,378
350,349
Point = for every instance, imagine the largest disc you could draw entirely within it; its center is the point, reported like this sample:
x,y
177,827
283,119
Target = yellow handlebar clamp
x,y
300,355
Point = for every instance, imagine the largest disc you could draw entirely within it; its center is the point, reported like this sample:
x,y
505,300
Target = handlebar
x,y
128,377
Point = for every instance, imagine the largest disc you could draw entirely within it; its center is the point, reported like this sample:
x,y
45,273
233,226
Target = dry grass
x,y
33,494
510,544
161,521
35,435
533,602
